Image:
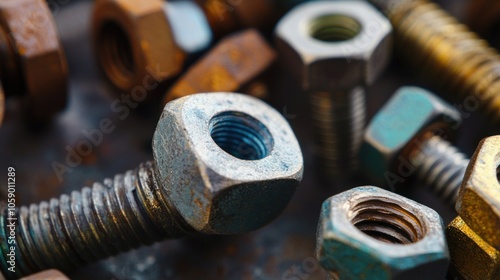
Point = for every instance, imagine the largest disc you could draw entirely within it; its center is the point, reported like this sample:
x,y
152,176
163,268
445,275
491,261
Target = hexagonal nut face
x,y
400,126
39,66
134,43
370,233
235,62
334,45
471,256
479,198
228,163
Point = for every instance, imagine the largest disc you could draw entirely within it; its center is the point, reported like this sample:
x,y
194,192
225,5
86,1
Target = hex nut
x,y
231,65
233,149
400,126
134,42
335,45
479,198
34,64
471,256
370,233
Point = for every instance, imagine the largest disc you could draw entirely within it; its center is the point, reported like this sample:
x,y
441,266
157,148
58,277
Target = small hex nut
x,y
479,197
399,126
235,62
370,233
134,42
471,256
334,45
240,161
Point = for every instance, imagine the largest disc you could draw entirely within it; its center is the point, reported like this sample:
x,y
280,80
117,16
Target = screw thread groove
x,y
441,167
456,59
338,120
110,217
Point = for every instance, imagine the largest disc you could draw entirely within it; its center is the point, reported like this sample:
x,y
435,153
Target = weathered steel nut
x,y
33,61
235,153
471,256
370,233
231,65
134,42
410,114
479,198
334,45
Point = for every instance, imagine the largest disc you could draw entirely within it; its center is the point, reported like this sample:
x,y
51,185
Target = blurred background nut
x,y
370,233
408,137
134,42
33,64
232,65
335,49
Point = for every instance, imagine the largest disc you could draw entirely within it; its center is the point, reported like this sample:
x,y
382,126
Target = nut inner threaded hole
x,y
241,135
387,222
115,52
334,28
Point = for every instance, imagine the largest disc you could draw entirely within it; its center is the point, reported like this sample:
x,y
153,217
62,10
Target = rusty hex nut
x,y
371,233
471,256
33,61
134,42
394,131
231,161
231,65
479,198
334,45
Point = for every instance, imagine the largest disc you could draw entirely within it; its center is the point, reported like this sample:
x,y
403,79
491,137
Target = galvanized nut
x,y
234,63
223,164
370,233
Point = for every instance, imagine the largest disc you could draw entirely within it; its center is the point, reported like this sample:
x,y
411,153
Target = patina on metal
x,y
224,163
371,233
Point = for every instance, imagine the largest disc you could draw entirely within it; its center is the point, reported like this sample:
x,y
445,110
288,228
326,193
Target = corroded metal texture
x,y
223,164
32,58
335,49
399,142
370,233
233,64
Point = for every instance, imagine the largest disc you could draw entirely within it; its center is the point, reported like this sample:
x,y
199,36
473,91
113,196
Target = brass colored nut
x,y
371,233
231,65
33,61
134,42
471,256
410,114
332,45
479,197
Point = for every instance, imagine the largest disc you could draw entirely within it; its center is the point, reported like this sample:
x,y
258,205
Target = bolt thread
x,y
94,223
456,59
338,120
441,167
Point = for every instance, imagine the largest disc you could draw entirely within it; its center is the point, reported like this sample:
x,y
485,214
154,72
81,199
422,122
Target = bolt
x,y
223,164
453,57
407,137
336,49
371,233
28,44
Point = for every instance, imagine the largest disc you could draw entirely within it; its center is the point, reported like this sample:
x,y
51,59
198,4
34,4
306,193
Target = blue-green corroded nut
x,y
371,233
410,113
227,163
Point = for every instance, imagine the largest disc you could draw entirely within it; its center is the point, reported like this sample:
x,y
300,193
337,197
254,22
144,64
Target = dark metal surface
x,y
281,250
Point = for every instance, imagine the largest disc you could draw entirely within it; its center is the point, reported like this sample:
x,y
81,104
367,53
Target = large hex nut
x,y
471,256
134,42
400,126
479,198
240,162
370,233
35,64
233,63
334,45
